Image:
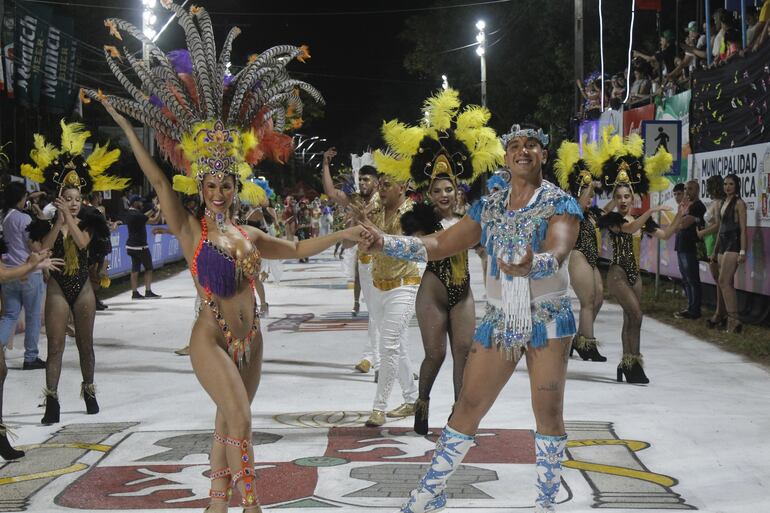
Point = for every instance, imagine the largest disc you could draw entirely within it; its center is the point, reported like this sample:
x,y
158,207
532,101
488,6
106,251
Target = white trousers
x,y
395,310
371,351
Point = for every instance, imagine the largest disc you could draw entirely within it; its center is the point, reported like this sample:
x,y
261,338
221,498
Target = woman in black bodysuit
x,y
444,304
69,236
69,290
730,249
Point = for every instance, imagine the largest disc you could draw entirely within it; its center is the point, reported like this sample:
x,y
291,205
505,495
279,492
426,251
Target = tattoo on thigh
x,y
550,387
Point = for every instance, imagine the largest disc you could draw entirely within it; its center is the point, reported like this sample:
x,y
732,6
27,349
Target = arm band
x,y
543,266
405,248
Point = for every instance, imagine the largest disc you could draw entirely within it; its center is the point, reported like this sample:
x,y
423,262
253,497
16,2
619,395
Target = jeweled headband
x,y
529,133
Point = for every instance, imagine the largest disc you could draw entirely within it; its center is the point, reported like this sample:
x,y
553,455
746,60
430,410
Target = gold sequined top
x,y
385,267
371,209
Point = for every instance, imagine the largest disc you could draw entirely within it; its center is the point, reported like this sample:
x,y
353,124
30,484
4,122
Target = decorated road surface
x,y
695,438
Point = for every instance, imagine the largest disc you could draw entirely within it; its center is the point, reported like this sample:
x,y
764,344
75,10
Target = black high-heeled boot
x,y
631,367
88,394
421,416
7,452
587,348
52,408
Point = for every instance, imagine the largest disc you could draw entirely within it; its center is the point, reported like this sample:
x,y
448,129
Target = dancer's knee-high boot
x,y
549,451
430,494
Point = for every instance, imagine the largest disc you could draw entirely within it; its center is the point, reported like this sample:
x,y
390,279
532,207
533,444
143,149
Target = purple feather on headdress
x,y
181,61
156,101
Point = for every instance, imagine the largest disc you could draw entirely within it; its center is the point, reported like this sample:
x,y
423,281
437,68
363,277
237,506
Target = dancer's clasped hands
x,y
371,237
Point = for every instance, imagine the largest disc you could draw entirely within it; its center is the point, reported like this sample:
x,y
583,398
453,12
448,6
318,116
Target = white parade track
x,y
695,438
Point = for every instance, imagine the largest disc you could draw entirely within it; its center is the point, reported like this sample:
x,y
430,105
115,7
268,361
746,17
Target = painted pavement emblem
x,y
325,459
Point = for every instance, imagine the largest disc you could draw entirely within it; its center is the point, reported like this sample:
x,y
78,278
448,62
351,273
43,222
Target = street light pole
x,y
480,51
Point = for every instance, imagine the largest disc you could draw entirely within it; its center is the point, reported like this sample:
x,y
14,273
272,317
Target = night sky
x,y
357,58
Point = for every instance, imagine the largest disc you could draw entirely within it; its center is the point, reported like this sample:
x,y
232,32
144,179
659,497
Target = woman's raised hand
x,y
117,116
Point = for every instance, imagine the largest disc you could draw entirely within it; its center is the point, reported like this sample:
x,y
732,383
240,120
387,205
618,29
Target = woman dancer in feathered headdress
x,y
625,170
70,175
456,147
528,230
576,178
213,127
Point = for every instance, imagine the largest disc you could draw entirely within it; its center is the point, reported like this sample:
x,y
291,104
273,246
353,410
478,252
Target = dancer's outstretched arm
x,y
40,261
461,236
274,248
180,221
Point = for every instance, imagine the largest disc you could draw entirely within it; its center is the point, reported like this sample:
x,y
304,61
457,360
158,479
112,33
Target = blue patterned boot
x,y
430,494
549,451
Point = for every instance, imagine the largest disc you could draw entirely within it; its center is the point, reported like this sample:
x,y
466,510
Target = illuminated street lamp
x,y
444,83
480,51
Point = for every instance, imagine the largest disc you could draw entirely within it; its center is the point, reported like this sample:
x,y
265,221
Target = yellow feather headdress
x,y
622,163
450,143
65,166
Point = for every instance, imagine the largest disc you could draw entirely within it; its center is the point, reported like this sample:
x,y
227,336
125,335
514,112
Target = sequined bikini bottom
x,y
239,348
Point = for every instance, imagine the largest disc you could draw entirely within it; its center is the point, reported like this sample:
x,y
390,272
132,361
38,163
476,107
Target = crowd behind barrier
x,y
720,126
164,249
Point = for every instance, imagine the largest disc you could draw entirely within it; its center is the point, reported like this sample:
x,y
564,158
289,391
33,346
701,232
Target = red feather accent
x,y
189,83
171,150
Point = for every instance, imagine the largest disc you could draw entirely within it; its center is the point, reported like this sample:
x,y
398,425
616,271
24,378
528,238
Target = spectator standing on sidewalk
x,y
687,251
136,246
27,291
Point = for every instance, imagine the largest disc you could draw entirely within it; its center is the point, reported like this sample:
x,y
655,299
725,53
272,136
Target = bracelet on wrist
x,y
404,248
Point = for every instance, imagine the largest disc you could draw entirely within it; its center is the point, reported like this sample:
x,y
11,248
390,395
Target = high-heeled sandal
x,y
249,499
52,407
631,368
587,348
7,452
421,416
88,394
356,308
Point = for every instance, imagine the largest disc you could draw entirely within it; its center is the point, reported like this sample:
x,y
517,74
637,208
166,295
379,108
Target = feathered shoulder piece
x,y
206,120
38,229
450,143
622,163
64,166
572,171
93,221
611,220
422,220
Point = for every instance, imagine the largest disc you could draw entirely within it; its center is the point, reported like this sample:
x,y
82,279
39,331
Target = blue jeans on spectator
x,y
27,292
688,268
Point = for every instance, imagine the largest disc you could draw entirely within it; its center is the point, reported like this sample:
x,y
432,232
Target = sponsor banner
x,y
164,248
32,23
6,45
632,118
751,164
58,91
729,104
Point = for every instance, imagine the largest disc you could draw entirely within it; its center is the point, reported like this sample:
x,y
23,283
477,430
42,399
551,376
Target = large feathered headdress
x,y
448,144
66,167
208,121
623,163
572,171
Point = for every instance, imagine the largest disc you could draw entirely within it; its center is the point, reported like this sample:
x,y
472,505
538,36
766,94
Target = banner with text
x,y
59,91
6,45
32,23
